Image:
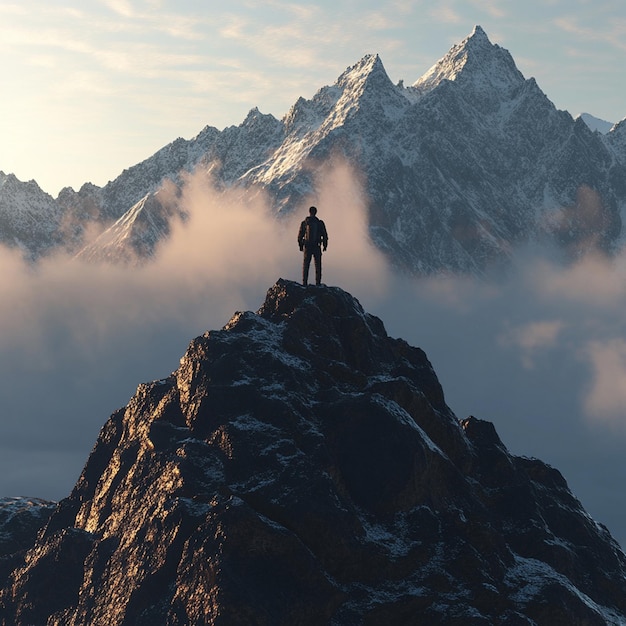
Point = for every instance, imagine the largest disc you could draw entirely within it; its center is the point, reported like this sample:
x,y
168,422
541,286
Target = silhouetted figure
x,y
312,238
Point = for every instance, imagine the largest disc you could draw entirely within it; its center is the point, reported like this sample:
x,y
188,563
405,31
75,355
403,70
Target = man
x,y
312,237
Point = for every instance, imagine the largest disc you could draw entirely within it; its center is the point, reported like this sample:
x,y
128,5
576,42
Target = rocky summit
x,y
302,467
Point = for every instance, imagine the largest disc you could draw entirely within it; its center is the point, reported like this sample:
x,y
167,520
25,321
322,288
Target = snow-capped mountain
x,y
469,161
302,467
30,219
595,123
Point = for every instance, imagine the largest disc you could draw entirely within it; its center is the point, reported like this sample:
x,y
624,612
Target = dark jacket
x,y
312,233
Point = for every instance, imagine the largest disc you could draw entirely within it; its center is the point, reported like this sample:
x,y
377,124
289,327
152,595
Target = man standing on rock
x,y
312,237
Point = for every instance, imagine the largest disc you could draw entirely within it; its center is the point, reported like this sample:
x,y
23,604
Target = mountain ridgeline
x,y
460,167
302,467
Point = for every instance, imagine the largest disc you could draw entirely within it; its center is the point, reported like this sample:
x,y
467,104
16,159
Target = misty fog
x,y
541,353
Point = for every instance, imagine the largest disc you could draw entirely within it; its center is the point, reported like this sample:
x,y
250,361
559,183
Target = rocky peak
x,y
9,183
301,466
365,86
255,117
369,68
362,92
475,63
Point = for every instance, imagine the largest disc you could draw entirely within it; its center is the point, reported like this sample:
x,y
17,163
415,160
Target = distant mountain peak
x,y
369,70
28,216
474,59
254,116
367,64
479,36
595,123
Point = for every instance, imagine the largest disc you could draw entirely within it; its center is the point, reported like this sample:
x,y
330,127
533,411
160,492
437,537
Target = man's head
x,y
312,210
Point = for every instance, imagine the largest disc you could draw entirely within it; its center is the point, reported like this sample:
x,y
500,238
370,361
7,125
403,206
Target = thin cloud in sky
x,y
455,12
81,45
494,8
377,21
295,40
446,14
121,7
13,9
599,27
403,7
298,10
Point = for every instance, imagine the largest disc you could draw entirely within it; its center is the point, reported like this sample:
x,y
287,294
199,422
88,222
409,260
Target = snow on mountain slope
x,y
134,236
332,122
136,230
468,162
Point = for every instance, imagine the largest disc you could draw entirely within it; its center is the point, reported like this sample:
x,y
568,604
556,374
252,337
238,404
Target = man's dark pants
x,y
316,253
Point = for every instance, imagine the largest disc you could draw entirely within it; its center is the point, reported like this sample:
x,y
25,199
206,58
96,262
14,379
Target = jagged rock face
x,y
302,467
484,162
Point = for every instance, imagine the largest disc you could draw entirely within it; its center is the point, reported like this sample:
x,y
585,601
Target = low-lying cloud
x,y
541,353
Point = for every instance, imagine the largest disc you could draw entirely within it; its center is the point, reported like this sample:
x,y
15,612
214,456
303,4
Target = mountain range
x,y
459,168
300,466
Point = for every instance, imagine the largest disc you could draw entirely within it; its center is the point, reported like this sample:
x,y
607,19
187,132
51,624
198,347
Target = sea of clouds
x,y
540,352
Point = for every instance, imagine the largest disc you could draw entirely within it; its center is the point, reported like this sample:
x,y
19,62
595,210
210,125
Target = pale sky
x,y
92,87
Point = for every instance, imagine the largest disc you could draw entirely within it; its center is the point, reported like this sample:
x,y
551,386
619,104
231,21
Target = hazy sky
x,y
89,88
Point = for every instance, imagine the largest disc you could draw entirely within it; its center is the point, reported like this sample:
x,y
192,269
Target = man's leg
x,y
306,263
317,256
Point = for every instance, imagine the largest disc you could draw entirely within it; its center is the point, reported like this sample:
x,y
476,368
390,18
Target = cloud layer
x,y
541,353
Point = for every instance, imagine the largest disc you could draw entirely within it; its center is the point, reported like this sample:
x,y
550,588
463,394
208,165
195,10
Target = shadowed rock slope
x,y
302,467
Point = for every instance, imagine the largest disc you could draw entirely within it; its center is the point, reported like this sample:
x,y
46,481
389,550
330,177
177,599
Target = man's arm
x,y
301,235
324,238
